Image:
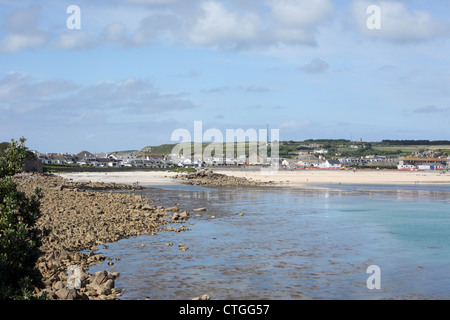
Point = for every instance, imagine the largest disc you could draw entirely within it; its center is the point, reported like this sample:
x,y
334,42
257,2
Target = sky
x,y
133,71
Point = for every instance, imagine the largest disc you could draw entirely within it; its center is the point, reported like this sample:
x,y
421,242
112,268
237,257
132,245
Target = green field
x,y
289,149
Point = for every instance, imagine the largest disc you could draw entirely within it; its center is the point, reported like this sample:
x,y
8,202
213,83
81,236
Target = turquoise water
x,y
293,243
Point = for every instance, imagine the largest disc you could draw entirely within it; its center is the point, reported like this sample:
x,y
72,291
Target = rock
x,y
215,179
67,294
184,215
109,284
200,209
58,285
175,216
147,207
100,277
203,297
79,220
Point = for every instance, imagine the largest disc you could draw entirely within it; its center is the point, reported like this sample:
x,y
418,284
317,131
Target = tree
x,y
20,239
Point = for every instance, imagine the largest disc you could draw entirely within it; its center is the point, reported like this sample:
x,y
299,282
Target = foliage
x,y
416,142
19,238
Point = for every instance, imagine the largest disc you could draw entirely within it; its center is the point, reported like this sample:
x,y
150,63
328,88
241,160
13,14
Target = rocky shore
x,y
209,178
80,218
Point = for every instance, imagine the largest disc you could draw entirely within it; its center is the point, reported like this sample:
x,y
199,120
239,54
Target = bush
x,y
20,240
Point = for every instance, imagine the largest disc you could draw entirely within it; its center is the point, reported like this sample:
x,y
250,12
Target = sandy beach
x,y
281,177
140,177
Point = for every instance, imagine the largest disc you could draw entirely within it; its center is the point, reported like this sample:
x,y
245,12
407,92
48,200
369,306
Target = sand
x,y
281,177
141,177
310,177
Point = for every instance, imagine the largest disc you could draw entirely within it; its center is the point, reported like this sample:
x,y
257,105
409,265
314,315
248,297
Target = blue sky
x,y
137,70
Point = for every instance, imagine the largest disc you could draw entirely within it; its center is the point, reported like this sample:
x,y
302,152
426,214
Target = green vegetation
x,y
415,142
3,147
212,148
19,238
335,147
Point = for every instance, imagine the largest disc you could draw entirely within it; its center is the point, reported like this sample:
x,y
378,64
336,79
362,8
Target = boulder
x,y
100,277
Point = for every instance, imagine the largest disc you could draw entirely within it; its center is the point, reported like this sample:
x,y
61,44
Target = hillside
x,y
340,147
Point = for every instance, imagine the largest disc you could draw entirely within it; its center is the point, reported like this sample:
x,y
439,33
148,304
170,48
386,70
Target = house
x,y
44,159
349,160
84,155
90,161
423,163
107,162
59,159
289,163
330,164
241,159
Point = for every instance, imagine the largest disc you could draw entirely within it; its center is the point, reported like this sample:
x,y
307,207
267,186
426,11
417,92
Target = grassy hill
x,y
342,147
209,148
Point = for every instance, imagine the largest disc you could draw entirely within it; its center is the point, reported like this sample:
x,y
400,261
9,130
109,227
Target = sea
x,y
333,242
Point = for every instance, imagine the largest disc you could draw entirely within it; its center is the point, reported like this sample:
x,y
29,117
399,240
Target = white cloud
x,y
218,26
22,31
21,93
15,42
75,39
157,28
115,32
301,13
204,23
398,22
287,22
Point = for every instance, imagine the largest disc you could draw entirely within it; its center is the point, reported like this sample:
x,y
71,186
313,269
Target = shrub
x,y
20,239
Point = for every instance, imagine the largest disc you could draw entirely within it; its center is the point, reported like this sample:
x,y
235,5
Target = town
x,y
321,154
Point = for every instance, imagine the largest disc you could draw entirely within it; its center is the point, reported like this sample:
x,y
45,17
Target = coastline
x,y
297,178
305,178
82,219
143,178
80,216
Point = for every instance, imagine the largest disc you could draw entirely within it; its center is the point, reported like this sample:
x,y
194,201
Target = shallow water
x,y
293,243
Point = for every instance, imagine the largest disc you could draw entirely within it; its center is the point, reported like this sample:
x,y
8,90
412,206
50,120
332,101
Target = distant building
x,y
331,164
423,163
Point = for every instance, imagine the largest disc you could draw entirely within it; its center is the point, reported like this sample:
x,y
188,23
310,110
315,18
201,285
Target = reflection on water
x,y
293,243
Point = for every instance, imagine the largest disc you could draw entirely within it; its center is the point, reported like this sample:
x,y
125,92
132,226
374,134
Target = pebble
x,y
84,220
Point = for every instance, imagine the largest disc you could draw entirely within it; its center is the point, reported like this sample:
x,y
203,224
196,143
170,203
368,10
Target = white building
x,y
331,164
